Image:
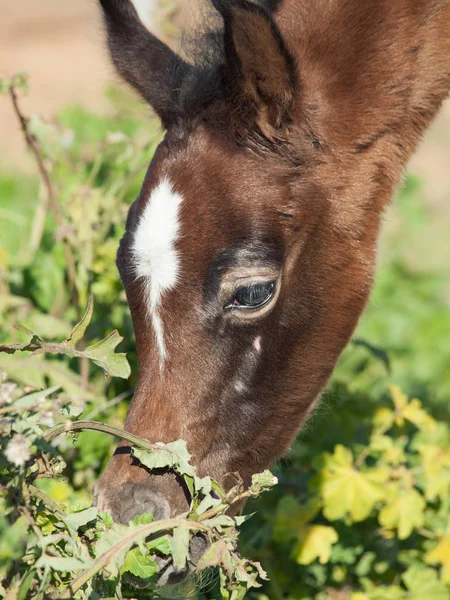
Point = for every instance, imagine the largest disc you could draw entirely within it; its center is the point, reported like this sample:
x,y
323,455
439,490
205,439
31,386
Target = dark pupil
x,y
254,295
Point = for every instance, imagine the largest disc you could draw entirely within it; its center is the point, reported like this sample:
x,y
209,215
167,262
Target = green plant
x,y
387,541
48,552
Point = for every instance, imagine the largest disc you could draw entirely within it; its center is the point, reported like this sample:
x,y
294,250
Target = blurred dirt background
x,y
61,45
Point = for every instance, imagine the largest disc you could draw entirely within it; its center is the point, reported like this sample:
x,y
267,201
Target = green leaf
x,y
31,399
76,520
46,522
345,490
103,354
262,482
179,545
80,328
441,555
161,545
404,511
217,554
291,517
62,563
26,584
143,519
174,456
424,584
315,542
139,565
33,344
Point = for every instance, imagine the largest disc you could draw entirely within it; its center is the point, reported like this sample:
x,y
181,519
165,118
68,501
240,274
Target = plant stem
x,y
33,144
52,433
103,560
40,495
104,407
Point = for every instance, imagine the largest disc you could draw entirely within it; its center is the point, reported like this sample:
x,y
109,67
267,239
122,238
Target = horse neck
x,y
373,75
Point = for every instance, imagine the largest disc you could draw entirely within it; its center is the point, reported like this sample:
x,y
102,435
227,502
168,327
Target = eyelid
x,y
230,285
230,305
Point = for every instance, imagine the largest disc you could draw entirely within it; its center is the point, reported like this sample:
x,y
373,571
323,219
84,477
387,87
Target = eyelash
x,y
264,289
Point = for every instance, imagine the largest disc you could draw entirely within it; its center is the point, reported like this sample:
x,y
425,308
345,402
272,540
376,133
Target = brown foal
x,y
249,254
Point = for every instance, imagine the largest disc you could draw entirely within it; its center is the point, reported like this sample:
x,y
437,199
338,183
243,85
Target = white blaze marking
x,y
240,386
153,250
257,343
145,9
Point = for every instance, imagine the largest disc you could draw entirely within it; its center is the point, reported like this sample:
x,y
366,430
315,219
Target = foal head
x,y
244,272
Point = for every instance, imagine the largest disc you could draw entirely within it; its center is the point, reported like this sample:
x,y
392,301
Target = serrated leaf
x,y
262,482
174,456
79,330
344,489
179,546
217,554
103,354
107,540
315,542
410,410
404,511
144,519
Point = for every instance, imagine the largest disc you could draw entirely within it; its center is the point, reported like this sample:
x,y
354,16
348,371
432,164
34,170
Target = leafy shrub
x,y
371,517
53,545
361,511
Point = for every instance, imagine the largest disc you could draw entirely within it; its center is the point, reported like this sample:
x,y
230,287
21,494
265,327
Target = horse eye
x,y
252,296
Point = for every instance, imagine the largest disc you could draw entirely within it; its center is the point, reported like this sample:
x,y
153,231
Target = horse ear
x,y
259,72
146,63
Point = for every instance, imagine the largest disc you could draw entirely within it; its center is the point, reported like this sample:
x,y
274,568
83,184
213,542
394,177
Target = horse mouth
x,y
168,574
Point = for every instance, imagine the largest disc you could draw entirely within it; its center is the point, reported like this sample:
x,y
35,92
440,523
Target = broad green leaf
x,y
404,510
139,565
410,410
315,542
161,544
436,466
46,522
112,537
179,545
345,490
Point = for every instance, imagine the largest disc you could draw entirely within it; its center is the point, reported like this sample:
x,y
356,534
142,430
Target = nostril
x,y
140,499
